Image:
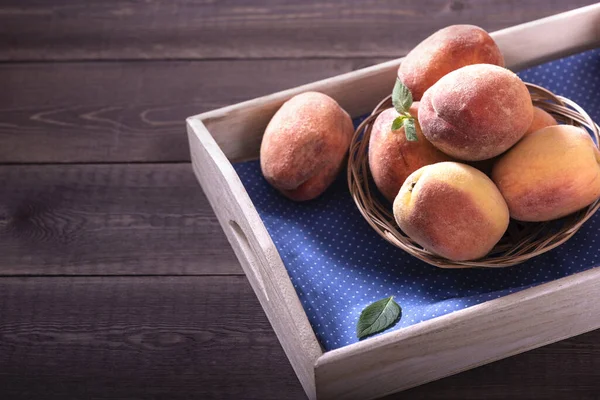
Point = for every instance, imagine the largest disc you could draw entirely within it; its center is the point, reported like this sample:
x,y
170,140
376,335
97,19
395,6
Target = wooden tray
x,y
428,350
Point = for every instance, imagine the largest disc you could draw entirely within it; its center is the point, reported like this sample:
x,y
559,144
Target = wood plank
x,y
565,370
138,337
207,337
131,111
108,220
238,129
165,29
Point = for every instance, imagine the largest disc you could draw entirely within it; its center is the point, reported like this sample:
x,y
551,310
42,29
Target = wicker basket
x,y
522,240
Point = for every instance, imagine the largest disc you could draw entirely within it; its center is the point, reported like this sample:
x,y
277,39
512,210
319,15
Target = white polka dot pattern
x,y
339,265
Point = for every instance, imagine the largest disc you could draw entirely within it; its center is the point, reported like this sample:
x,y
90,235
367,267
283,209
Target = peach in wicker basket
x,y
522,241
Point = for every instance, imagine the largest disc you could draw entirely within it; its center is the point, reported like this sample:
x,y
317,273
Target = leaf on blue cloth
x,y
378,317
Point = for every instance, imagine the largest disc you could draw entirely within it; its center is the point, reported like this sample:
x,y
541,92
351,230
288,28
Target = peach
x,y
541,119
305,145
392,158
452,210
476,112
445,51
551,173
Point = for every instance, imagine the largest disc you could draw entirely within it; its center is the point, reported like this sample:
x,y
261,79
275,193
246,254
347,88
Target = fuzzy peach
x,y
541,119
392,158
305,145
452,210
476,112
447,50
551,173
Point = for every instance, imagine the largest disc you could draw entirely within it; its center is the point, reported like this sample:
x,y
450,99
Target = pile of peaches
x,y
478,152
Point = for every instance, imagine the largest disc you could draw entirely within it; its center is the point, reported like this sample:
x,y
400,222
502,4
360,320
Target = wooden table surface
x,y
116,279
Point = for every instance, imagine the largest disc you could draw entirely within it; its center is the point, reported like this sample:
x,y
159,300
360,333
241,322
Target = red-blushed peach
x,y
445,51
541,119
476,112
551,173
305,145
392,158
452,210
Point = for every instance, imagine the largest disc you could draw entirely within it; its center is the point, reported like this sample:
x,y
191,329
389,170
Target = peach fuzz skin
x,y
305,145
476,112
392,158
541,119
452,210
444,51
551,173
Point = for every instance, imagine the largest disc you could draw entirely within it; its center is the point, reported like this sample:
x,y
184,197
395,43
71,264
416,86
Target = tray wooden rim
x,y
214,134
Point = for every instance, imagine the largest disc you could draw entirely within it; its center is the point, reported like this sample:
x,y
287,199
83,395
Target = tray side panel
x,y
547,39
238,129
256,253
462,340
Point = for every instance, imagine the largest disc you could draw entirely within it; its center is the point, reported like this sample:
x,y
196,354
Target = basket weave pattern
x,y
522,241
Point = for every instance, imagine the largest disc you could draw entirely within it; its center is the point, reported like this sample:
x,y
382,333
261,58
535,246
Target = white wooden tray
x,y
428,350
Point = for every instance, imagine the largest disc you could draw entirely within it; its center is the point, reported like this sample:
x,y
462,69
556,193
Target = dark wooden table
x,y
116,280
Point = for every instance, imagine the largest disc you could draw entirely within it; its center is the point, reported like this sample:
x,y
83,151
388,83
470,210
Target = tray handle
x,y
249,254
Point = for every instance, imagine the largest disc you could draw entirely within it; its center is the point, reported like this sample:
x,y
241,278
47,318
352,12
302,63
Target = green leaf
x,y
398,123
410,130
378,317
401,97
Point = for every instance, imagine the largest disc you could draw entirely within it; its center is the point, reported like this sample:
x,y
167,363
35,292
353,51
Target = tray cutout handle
x,y
249,255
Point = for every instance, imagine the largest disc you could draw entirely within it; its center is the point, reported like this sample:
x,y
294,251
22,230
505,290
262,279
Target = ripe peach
x,y
476,112
305,145
541,119
392,158
551,173
447,50
452,210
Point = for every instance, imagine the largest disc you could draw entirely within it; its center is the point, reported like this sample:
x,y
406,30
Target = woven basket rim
x,y
528,239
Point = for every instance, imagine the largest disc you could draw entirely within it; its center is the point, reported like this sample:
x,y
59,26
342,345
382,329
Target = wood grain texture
x,y
207,29
208,338
567,370
108,220
138,338
180,337
238,129
131,111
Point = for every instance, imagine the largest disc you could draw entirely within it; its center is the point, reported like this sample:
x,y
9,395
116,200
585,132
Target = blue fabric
x,y
339,265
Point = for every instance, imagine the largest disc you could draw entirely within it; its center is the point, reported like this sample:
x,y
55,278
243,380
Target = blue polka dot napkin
x,y
339,265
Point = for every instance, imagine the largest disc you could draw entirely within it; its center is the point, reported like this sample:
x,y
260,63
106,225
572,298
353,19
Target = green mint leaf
x,y
401,97
398,123
378,317
410,129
